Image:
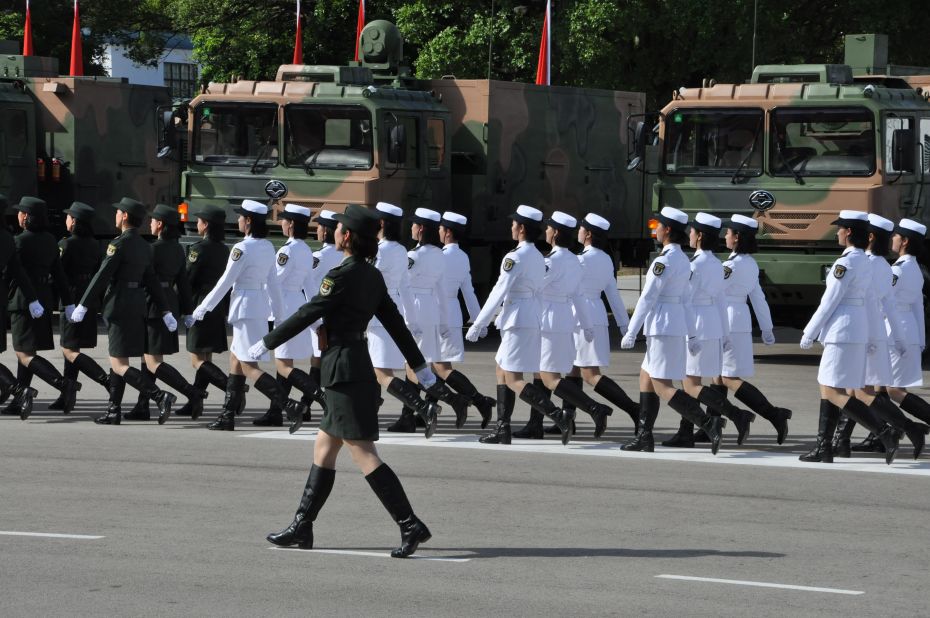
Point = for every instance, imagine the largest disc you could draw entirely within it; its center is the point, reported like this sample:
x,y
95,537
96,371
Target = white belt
x,y
736,299
904,306
421,290
519,295
291,289
554,298
853,302
248,286
670,300
702,302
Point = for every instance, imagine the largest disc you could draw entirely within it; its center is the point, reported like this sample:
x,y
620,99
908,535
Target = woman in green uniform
x,y
349,296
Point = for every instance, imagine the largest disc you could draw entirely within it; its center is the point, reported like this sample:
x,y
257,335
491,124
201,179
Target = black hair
x,y
36,223
564,238
216,230
300,228
392,230
169,231
82,229
914,246
451,230
134,220
532,231
859,237
364,247
429,235
708,241
881,243
329,235
598,237
258,226
745,242
677,236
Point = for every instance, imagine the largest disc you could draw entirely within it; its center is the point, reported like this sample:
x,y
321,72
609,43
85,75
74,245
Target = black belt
x,y
346,338
166,284
132,285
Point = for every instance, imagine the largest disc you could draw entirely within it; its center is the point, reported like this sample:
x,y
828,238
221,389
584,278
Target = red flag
x,y
298,42
545,45
359,27
27,33
77,54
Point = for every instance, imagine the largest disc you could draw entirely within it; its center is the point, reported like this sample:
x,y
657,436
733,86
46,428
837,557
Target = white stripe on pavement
x,y
49,535
372,554
727,455
740,582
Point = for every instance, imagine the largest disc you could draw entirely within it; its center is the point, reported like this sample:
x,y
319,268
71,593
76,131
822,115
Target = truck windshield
x,y
823,142
714,142
236,134
327,137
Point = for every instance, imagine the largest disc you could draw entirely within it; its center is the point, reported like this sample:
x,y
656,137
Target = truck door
x,y
17,151
402,153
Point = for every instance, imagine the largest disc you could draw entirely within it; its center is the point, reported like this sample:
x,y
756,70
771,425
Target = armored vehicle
x,y
792,148
89,139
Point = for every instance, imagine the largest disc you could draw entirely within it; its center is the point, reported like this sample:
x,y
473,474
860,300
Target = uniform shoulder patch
x,y
839,271
508,265
111,250
282,259
894,280
326,287
658,268
727,271
410,262
192,256
236,254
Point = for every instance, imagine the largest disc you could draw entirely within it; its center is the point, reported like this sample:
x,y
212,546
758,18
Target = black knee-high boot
x,y
274,415
533,430
554,428
89,367
300,532
22,393
462,384
71,372
568,389
116,385
690,409
886,410
648,412
268,386
141,411
234,402
409,395
863,415
458,402
49,374
506,400
538,398
612,392
310,389
387,487
173,378
844,429
823,450
7,382
146,386
715,398
778,417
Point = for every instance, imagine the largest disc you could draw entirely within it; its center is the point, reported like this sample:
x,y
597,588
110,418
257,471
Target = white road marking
x,y
49,535
372,554
728,455
740,582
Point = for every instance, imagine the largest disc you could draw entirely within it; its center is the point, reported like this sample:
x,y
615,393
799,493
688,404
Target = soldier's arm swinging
x,y
100,281
319,306
15,271
61,282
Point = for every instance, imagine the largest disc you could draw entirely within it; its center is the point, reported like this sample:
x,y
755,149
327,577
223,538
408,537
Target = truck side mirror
x,y
902,150
397,149
641,136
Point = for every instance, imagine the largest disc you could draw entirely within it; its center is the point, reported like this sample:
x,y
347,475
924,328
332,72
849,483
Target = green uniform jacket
x,y
350,295
80,257
12,270
40,259
206,261
169,262
126,273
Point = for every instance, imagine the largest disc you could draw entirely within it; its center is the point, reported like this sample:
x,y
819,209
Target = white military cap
x,y
911,229
852,219
326,218
293,210
385,208
454,218
742,223
592,220
704,222
251,207
880,223
561,221
673,218
527,214
425,216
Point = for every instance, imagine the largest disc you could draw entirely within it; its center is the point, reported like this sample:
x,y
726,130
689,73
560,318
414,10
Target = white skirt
x,y
245,334
557,352
842,365
878,366
665,357
519,351
738,362
452,346
383,351
299,347
428,342
708,362
592,353
906,371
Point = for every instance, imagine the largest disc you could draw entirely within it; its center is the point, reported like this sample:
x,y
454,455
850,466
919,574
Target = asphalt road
x,y
536,529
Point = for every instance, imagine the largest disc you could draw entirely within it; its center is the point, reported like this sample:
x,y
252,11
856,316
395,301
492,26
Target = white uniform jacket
x,y
842,316
250,273
519,282
393,263
884,322
708,302
907,284
426,276
663,308
325,259
741,280
560,297
598,275
458,277
294,272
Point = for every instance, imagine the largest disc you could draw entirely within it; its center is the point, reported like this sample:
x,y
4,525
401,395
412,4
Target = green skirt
x,y
31,334
208,335
78,336
352,410
126,337
158,339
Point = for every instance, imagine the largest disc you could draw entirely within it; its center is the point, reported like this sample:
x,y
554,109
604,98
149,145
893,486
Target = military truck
x,y
90,139
327,136
791,148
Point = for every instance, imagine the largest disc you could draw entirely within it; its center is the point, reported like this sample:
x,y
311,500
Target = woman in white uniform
x,y
452,228
255,295
562,306
841,325
325,259
386,357
521,278
709,312
294,274
741,276
663,313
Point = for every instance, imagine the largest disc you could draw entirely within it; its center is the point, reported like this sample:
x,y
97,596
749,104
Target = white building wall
x,y
118,65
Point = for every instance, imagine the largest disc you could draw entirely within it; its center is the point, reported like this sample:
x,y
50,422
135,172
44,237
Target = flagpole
x,y
27,33
77,53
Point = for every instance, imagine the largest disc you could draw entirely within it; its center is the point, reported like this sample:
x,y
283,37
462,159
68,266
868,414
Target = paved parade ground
x,y
146,520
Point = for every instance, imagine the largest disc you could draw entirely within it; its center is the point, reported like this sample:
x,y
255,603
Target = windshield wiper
x,y
784,160
752,149
272,139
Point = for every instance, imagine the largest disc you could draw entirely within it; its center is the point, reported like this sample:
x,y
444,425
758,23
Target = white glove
x,y
727,344
258,350
69,309
170,322
36,309
189,321
199,313
806,342
628,341
870,349
474,333
425,376
78,313
768,337
483,333
901,348
694,346
588,334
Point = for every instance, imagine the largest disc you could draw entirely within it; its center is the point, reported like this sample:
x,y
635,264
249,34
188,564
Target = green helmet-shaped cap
x,y
360,220
32,206
166,213
81,211
131,207
211,213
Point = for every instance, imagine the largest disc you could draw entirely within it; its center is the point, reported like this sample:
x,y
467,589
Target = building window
x,y
181,79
